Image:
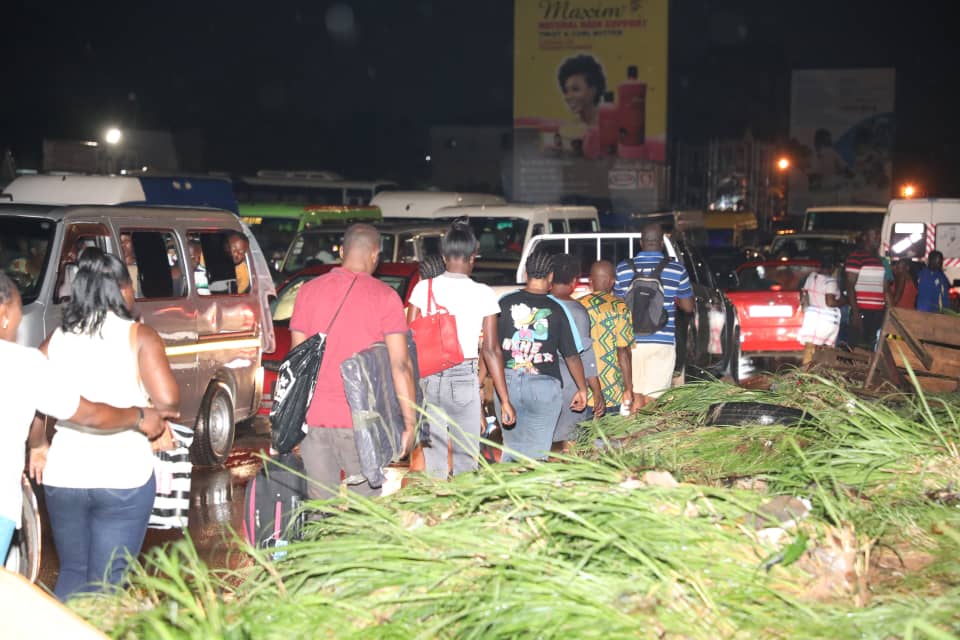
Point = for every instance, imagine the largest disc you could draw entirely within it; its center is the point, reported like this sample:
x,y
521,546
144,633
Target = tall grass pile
x,y
590,546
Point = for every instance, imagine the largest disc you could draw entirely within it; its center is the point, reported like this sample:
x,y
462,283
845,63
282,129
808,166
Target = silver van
x,y
212,314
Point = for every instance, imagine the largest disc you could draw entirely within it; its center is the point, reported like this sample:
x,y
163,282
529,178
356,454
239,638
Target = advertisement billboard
x,y
590,98
842,130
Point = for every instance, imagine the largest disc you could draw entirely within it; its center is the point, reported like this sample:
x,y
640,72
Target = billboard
x,y
590,98
842,131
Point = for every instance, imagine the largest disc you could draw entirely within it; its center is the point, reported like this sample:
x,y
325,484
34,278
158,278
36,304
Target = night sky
x,y
352,86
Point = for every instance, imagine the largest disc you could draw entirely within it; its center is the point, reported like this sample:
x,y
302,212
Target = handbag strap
x,y
337,312
432,302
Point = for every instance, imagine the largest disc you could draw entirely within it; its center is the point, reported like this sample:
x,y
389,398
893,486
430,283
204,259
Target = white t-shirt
x,y
464,298
28,383
106,370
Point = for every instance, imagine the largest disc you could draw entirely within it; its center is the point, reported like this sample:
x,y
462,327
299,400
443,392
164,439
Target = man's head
x,y
360,250
566,271
602,276
871,240
539,266
196,252
651,238
238,245
126,245
935,261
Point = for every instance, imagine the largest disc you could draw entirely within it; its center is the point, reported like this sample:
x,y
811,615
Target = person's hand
x,y
855,319
579,402
598,410
165,442
406,440
155,422
38,461
507,414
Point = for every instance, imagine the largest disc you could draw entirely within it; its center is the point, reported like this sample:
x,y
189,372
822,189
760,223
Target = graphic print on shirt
x,y
532,330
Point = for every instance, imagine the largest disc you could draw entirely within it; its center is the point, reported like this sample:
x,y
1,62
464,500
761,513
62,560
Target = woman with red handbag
x,y
449,314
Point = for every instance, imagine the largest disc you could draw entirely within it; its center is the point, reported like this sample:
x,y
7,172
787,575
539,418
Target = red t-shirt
x,y
371,311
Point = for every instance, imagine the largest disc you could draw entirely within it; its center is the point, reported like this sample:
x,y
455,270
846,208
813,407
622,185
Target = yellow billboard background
x,y
617,35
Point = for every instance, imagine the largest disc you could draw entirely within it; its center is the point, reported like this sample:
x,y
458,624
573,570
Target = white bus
x,y
307,188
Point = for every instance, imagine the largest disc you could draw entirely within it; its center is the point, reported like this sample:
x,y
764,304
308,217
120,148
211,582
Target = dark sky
x,y
352,85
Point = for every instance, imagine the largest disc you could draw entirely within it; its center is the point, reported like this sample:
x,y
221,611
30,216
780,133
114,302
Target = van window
x,y
499,238
25,252
616,250
948,239
553,247
76,238
585,250
223,277
157,269
557,226
582,225
908,240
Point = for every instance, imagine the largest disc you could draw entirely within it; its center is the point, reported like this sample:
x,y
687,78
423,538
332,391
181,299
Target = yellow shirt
x,y
610,327
243,278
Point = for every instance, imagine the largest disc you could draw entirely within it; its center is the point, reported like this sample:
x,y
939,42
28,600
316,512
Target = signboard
x,y
842,129
590,96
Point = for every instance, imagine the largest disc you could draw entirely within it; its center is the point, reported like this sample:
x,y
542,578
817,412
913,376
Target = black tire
x,y
26,546
734,414
215,429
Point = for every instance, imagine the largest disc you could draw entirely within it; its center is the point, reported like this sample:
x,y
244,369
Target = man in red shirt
x,y
369,311
866,280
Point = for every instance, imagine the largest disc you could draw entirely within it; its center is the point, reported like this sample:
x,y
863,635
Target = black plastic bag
x,y
377,417
293,392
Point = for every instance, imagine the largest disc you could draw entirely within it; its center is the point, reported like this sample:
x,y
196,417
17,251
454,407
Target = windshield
x,y
843,220
817,248
772,277
274,235
282,307
499,238
24,252
322,246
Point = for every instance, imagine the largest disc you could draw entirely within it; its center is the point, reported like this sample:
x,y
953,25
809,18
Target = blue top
x,y
933,291
676,284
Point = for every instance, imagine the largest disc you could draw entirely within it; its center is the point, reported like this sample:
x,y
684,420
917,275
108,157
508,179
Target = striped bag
x,y
173,469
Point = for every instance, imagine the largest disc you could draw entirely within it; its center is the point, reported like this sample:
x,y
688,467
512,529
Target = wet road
x,y
216,504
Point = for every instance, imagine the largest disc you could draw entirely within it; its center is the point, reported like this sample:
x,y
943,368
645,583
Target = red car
x,y
401,276
767,300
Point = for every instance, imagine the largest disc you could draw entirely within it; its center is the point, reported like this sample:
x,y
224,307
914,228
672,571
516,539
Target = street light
x,y
113,136
908,190
783,163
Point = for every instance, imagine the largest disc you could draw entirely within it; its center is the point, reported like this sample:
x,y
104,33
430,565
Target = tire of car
x,y
215,428
25,548
735,414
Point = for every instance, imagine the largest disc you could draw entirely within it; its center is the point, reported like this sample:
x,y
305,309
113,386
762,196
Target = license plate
x,y
771,311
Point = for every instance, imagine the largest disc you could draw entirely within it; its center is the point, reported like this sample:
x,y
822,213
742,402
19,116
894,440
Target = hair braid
x,y
539,264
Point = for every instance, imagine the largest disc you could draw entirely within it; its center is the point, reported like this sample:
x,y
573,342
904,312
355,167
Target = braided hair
x,y
539,264
431,266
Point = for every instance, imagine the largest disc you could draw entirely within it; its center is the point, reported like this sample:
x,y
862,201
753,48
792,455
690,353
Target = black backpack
x,y
645,300
272,516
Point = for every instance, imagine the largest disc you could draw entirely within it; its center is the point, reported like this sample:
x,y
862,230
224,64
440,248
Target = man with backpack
x,y
653,287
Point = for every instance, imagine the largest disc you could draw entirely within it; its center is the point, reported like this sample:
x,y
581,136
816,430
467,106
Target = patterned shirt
x,y
676,284
610,328
871,276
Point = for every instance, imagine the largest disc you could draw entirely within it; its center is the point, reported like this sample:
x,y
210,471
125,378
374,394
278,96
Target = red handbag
x,y
435,333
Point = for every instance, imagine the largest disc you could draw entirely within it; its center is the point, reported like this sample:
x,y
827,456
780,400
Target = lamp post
x,y
783,166
113,136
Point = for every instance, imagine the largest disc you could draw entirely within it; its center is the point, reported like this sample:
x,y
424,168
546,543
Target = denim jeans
x,y
94,530
536,398
455,413
7,527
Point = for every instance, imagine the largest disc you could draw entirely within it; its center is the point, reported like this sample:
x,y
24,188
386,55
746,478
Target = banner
x,y
590,97
842,133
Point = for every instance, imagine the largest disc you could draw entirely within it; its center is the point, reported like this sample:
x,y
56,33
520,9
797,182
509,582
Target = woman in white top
x,y
821,309
453,395
30,383
100,487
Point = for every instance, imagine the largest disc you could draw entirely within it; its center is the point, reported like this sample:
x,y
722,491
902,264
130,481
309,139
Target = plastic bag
x,y
293,392
173,471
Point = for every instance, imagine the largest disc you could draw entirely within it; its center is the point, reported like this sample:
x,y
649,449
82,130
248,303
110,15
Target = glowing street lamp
x,y
908,190
783,163
113,136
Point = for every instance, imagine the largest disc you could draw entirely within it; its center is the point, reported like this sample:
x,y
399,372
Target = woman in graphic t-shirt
x,y
535,333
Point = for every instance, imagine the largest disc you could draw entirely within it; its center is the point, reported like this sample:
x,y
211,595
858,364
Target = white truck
x,y
914,228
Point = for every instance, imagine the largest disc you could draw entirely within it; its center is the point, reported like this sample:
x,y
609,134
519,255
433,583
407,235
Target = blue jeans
x,y
7,527
455,413
536,398
94,530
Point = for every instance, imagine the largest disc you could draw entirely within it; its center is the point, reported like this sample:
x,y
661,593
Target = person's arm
x,y
575,366
403,383
851,278
413,312
296,339
492,354
684,297
625,360
599,402
158,380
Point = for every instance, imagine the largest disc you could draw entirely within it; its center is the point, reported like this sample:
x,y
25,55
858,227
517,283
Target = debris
x,y
731,414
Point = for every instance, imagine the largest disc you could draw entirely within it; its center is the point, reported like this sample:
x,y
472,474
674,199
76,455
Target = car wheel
x,y
24,554
731,414
215,427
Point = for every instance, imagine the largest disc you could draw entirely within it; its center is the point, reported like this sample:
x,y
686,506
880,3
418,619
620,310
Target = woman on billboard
x,y
583,83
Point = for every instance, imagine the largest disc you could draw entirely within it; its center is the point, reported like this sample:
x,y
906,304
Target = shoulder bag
x,y
435,332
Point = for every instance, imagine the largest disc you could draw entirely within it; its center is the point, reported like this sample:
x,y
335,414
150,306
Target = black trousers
x,y
866,336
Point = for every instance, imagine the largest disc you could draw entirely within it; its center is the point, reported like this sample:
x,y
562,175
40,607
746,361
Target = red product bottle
x,y
633,108
608,125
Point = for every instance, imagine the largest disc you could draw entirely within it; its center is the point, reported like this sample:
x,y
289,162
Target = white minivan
x,y
914,228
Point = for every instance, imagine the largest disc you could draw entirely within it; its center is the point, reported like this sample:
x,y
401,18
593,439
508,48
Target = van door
x,y
946,223
155,258
694,328
228,339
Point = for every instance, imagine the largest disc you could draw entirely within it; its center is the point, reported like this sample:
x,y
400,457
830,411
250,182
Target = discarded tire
x,y
733,414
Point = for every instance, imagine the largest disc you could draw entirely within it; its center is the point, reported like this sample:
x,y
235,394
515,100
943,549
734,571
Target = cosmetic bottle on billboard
x,y
608,125
633,108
